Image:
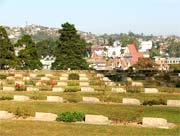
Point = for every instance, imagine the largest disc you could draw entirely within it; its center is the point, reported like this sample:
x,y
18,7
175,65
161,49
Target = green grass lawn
x,y
35,128
107,97
122,113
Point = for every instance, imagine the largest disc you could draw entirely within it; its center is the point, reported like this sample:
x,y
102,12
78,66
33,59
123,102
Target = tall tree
x,y
28,57
7,54
70,50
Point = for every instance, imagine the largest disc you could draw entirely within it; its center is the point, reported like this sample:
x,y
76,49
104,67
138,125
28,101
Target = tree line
x,y
68,49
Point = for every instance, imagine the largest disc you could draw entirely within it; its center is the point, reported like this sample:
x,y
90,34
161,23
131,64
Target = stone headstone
x,y
96,119
118,90
82,75
83,79
65,75
54,99
87,89
91,100
18,76
151,90
8,88
33,89
110,83
26,78
10,78
45,79
21,98
131,101
63,78
62,84
48,75
156,122
106,79
6,115
84,83
137,84
33,75
41,116
175,103
100,75
58,89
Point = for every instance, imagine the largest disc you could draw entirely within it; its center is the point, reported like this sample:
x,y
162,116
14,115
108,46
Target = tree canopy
x,y
28,57
145,64
70,49
7,54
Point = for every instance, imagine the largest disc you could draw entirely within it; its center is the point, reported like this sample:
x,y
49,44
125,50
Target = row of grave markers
x,y
94,119
125,101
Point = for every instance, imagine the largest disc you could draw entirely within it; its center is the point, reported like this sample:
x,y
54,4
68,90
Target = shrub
x,y
71,116
72,90
135,89
2,76
73,76
30,82
5,98
154,102
73,84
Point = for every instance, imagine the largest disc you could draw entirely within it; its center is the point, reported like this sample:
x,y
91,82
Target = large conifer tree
x,y
69,52
7,54
28,57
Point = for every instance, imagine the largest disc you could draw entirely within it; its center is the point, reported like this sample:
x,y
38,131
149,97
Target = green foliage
x,y
72,90
73,76
7,56
5,98
154,102
145,64
134,89
30,82
46,48
28,57
22,112
71,116
2,76
69,52
174,48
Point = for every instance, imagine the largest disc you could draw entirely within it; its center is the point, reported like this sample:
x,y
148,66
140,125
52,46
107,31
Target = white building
x,y
115,50
145,46
47,62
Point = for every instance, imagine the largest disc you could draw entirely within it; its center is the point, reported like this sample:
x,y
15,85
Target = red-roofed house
x,y
133,53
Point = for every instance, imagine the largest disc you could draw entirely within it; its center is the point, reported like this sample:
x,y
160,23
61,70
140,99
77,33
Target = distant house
x,y
162,63
133,54
47,62
173,60
97,52
145,46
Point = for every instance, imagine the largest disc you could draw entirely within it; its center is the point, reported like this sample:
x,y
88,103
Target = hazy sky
x,y
96,16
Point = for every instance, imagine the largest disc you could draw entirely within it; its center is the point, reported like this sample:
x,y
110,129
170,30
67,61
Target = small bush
x,y
5,98
30,82
135,89
73,76
73,84
154,102
71,116
2,76
72,90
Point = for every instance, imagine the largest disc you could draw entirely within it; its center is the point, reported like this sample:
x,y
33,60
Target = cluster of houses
x,y
119,57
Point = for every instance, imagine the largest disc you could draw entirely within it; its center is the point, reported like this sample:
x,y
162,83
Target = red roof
x,y
134,53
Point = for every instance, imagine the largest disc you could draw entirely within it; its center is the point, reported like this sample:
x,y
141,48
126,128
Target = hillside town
x,y
104,56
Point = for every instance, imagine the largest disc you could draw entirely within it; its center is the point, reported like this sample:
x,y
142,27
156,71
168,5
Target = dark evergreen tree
x,y
7,55
70,50
28,57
